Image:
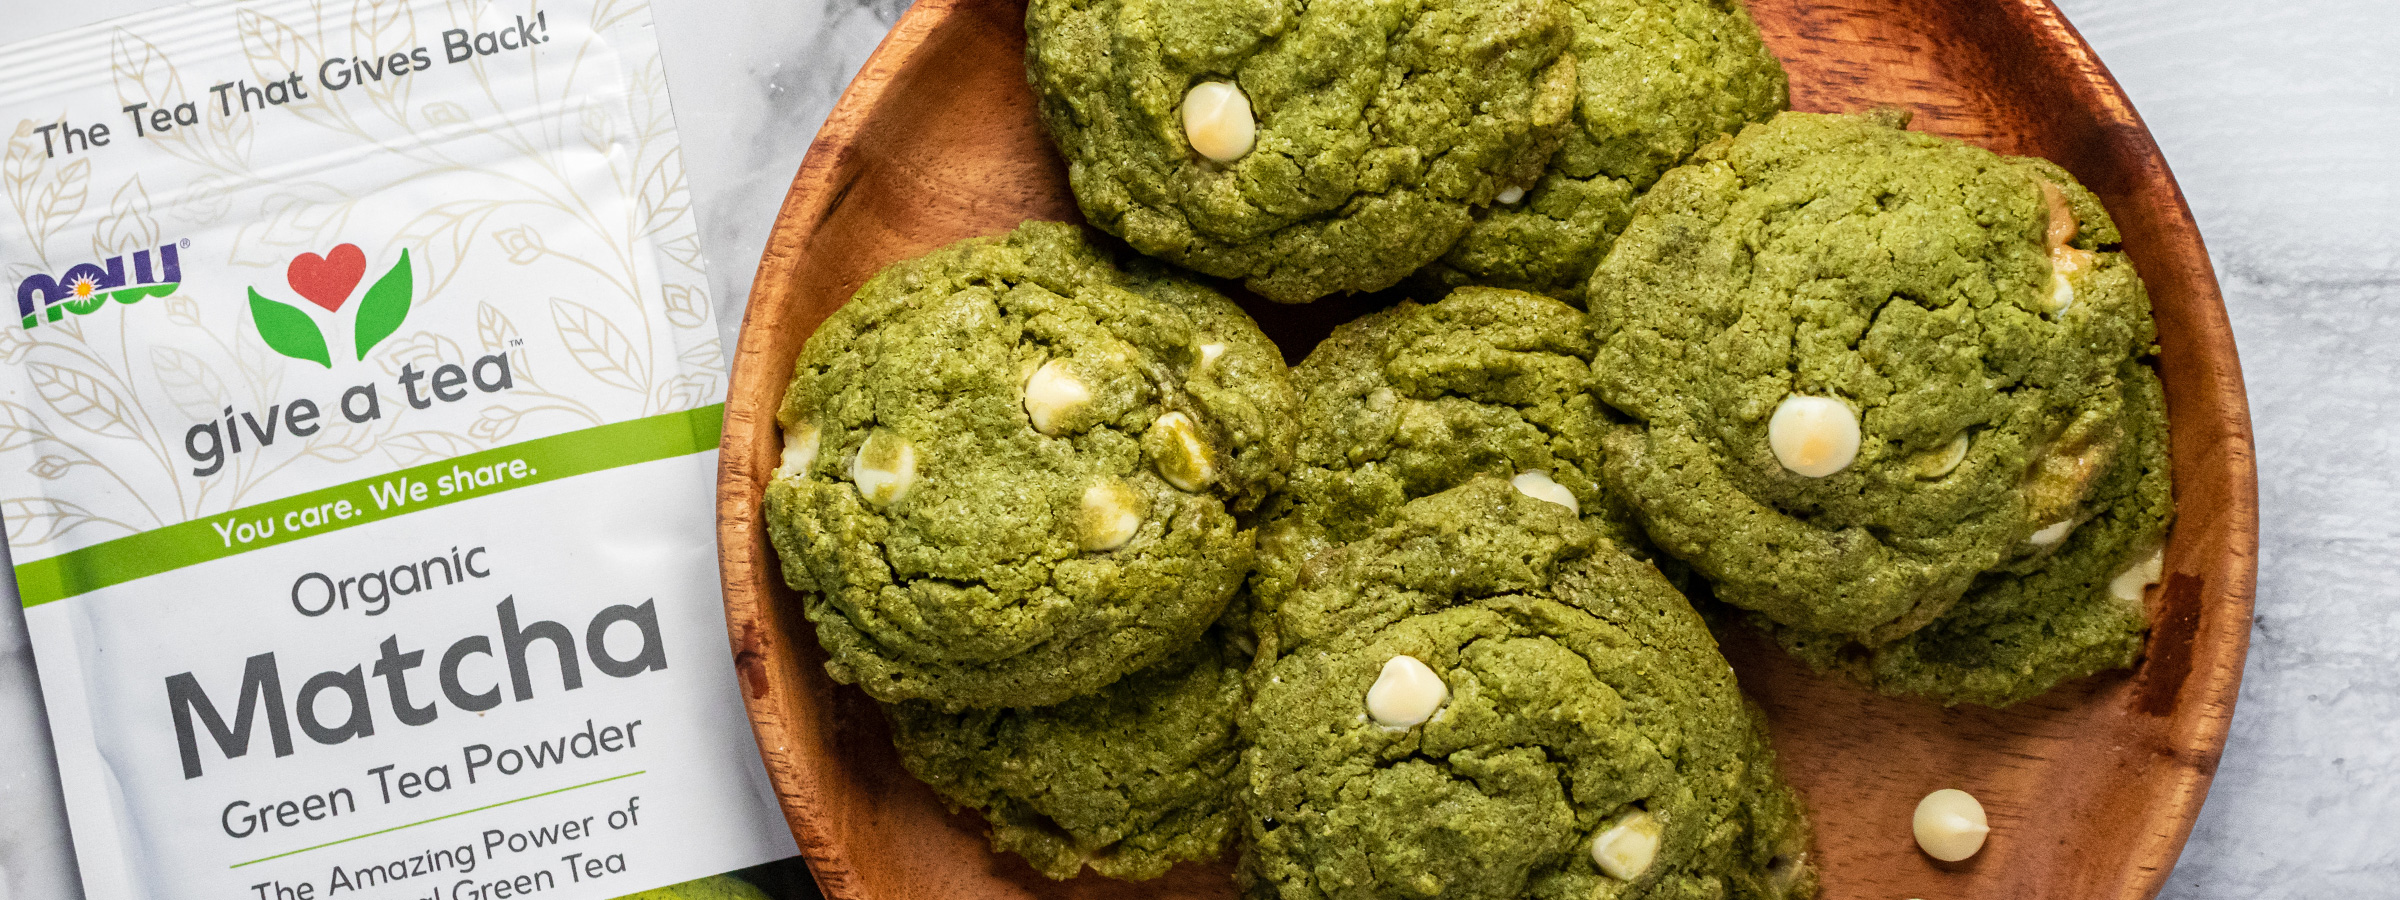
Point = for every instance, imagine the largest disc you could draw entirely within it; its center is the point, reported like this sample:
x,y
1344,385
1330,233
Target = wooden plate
x,y
2091,789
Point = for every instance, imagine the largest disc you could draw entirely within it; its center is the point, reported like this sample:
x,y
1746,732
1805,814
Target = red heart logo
x,y
328,280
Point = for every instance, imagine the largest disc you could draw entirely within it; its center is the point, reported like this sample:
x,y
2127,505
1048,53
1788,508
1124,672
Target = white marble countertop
x,y
2282,121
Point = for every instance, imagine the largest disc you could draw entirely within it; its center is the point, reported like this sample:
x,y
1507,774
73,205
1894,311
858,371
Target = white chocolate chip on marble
x,y
799,451
2051,534
2129,584
1109,517
1944,461
1625,850
1406,694
1813,436
1536,483
1217,120
884,469
1949,825
1052,394
1510,195
1209,354
1184,461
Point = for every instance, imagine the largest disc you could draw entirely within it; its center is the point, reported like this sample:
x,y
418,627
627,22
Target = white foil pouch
x,y
358,414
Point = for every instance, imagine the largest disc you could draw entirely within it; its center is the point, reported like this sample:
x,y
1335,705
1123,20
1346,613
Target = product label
x,y
358,417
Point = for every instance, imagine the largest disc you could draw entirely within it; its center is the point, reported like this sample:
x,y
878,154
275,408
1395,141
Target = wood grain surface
x,y
2091,789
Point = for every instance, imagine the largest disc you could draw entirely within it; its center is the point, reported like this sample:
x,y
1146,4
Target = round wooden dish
x,y
2091,789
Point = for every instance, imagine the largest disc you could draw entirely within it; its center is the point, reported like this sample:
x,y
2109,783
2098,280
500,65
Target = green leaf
x,y
289,331
386,306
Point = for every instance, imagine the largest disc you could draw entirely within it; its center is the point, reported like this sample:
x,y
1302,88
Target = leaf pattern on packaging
x,y
687,391
446,234
14,345
686,306
34,520
52,467
597,344
341,442
191,385
421,351
523,245
82,400
18,427
495,423
129,226
411,448
707,356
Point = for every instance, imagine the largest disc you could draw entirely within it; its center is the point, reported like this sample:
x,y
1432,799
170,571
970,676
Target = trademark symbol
x,y
185,244
516,342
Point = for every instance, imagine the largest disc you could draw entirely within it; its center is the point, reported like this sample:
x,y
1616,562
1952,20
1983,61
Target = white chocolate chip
x,y
799,451
1109,517
2051,534
1183,462
884,469
1510,195
1813,436
1406,694
1944,461
1209,354
1536,483
1625,850
1217,120
2065,260
1950,825
1052,394
2129,584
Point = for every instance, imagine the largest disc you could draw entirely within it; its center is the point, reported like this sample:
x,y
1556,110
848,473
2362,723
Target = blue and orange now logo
x,y
87,287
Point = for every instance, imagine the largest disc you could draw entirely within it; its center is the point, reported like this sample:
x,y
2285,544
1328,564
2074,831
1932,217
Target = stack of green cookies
x,y
1012,485
1393,621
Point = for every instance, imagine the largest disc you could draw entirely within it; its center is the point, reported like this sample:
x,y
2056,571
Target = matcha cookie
x,y
1418,399
1128,781
1513,710
1866,366
1655,80
1011,470
1303,148
2016,635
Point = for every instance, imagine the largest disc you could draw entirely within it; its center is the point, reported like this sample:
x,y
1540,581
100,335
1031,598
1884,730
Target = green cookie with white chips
x,y
1304,148
2018,634
1011,470
1865,367
1420,398
1510,709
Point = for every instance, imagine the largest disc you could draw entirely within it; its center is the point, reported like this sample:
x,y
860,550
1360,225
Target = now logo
x,y
87,287
329,281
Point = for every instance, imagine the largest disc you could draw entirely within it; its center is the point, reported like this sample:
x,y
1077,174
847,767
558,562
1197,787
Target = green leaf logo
x,y
288,331
327,281
386,306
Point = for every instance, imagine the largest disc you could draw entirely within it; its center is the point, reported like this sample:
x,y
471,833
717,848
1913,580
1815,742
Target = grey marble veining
x,y
2282,121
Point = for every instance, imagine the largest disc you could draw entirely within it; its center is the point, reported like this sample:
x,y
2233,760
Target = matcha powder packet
x,y
358,418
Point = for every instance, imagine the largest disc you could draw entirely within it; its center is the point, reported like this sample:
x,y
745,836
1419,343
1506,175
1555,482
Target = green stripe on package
x,y
358,427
